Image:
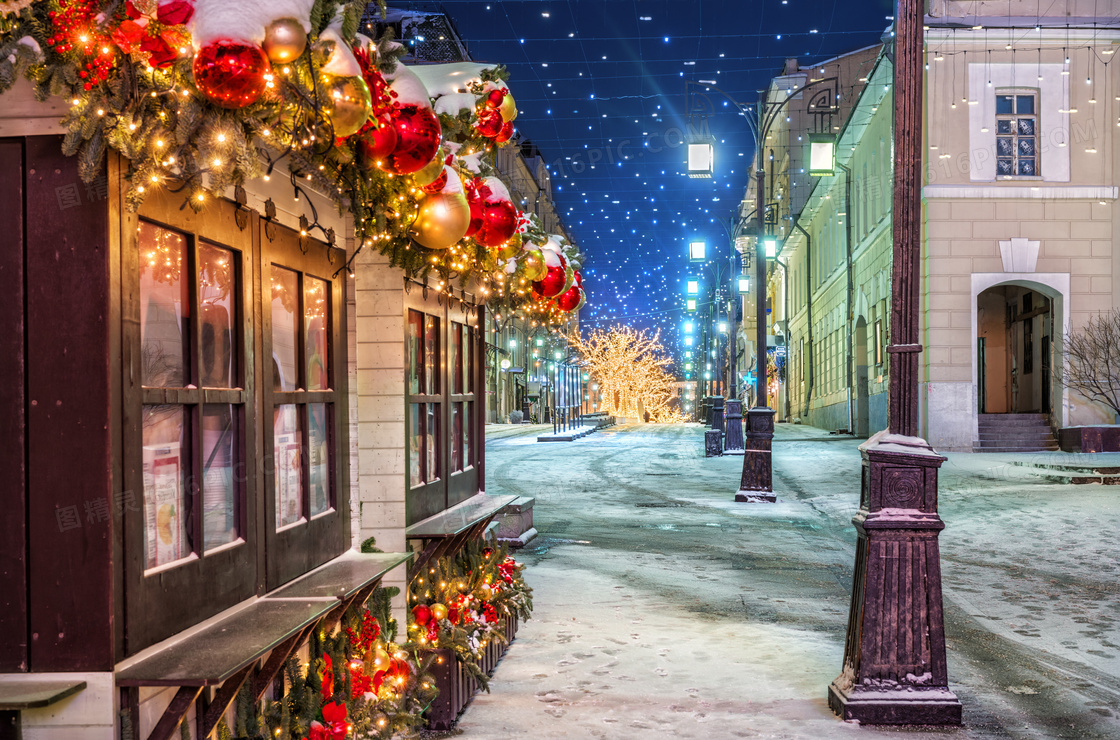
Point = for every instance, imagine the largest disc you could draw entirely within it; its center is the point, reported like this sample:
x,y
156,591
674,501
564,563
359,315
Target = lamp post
x,y
894,656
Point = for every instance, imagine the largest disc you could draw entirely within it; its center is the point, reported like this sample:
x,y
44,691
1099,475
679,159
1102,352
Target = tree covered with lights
x,y
630,367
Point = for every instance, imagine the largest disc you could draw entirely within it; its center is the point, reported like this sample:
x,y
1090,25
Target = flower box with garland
x,y
207,189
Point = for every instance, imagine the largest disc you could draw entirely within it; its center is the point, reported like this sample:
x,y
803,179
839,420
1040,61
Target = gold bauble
x,y
284,40
510,248
348,105
485,592
535,268
508,108
443,220
427,174
439,612
381,660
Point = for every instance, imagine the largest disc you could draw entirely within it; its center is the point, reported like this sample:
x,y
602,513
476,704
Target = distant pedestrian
x,y
647,417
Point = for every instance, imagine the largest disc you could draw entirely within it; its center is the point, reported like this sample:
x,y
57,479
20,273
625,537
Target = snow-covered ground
x,y
665,609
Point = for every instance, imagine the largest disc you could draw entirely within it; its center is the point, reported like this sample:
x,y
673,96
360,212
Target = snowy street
x,y
665,609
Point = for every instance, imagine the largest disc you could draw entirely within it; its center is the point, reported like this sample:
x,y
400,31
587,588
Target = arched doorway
x,y
863,412
1015,331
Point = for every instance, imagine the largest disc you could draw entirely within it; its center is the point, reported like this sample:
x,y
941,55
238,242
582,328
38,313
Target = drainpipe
x,y
809,309
848,300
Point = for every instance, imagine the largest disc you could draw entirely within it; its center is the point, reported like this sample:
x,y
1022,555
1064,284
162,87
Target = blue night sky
x,y
601,91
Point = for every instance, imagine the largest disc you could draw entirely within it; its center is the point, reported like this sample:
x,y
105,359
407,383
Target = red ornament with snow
x,y
555,278
496,213
489,123
418,137
505,134
230,73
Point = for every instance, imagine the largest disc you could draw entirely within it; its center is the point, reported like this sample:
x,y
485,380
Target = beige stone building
x,y
1019,240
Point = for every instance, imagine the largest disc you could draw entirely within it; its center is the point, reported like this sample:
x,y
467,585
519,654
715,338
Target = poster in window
x,y
415,445
163,504
289,473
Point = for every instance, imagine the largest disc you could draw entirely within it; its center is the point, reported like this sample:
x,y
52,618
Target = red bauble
x,y
421,613
474,200
494,99
499,221
578,278
570,299
552,283
231,74
376,144
418,137
505,133
437,185
489,123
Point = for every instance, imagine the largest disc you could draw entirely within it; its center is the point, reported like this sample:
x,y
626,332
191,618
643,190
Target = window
x,y
443,422
231,413
879,342
1016,134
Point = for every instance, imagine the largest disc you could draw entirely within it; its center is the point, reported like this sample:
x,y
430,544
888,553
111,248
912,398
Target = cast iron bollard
x,y
717,413
733,423
713,443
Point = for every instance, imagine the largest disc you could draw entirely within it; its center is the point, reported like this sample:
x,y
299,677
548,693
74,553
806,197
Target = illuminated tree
x,y
630,367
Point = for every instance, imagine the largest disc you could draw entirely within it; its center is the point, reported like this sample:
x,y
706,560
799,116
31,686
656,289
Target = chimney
x,y
791,66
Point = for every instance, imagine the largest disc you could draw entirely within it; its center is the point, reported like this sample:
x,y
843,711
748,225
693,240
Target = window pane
x,y
1026,126
289,471
316,307
164,307
219,490
216,290
1003,127
468,437
468,350
1004,167
415,445
457,357
415,351
1024,104
456,436
432,443
431,355
1026,167
1026,147
285,328
166,505
319,456
1005,104
1005,146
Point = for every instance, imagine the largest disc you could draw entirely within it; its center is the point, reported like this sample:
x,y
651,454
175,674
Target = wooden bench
x,y
224,652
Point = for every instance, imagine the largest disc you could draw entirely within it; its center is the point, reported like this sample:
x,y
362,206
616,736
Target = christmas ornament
x,y
570,299
535,268
439,612
556,276
578,277
442,220
381,660
231,74
494,98
421,613
508,108
504,134
377,141
496,214
284,40
439,184
348,105
429,172
510,248
418,137
485,593
475,197
489,123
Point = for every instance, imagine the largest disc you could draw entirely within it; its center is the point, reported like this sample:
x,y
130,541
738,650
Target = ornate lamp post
x,y
894,658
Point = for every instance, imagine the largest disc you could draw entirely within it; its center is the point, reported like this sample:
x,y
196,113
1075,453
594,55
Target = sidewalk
x,y
663,608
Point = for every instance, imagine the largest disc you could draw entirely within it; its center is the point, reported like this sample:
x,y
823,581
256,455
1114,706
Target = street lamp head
x,y
744,284
697,251
690,305
822,155
512,343
723,327
688,327
692,286
701,159
770,247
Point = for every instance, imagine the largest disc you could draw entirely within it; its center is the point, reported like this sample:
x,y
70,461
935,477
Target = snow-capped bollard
x,y
713,443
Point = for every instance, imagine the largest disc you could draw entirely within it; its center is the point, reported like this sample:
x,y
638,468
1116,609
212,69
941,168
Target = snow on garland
x,y
203,95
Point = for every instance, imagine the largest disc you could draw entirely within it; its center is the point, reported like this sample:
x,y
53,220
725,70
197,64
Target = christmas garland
x,y
461,603
203,95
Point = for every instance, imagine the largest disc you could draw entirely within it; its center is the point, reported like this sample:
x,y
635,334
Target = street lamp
x,y
770,247
690,305
692,286
744,284
701,158
822,155
697,251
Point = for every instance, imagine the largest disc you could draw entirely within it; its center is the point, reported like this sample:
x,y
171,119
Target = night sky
x,y
600,87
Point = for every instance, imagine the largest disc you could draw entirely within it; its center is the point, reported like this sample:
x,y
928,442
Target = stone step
x,y
976,447
1012,417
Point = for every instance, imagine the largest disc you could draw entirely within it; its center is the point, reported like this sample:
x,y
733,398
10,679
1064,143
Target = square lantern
x,y
770,247
822,155
697,251
690,305
701,158
692,286
688,327
743,283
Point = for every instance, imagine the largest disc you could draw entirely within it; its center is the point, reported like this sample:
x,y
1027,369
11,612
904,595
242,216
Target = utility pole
x,y
894,657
